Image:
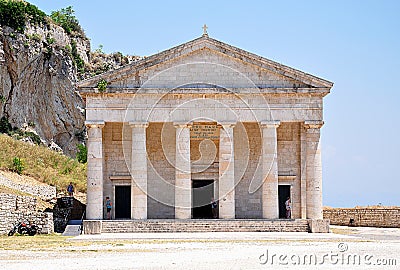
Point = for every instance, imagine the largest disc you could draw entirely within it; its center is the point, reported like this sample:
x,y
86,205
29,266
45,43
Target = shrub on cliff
x,y
15,14
67,20
81,156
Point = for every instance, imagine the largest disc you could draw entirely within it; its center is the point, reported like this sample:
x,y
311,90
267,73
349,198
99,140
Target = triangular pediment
x,y
206,61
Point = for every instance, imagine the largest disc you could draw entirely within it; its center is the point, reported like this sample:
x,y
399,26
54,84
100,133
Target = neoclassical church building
x,y
204,120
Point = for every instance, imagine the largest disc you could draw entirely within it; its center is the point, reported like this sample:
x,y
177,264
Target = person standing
x,y
70,189
214,206
108,207
288,208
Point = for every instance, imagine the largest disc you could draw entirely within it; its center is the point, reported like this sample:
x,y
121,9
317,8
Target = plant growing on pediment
x,y
102,85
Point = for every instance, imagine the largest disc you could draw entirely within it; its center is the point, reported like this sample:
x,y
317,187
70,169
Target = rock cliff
x,y
41,59
37,77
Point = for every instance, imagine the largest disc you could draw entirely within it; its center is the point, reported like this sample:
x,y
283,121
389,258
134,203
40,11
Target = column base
x,y
92,226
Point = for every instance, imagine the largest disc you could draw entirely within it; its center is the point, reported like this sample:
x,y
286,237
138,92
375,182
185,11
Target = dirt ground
x,y
344,248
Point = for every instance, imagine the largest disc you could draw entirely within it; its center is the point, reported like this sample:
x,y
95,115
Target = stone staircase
x,y
204,225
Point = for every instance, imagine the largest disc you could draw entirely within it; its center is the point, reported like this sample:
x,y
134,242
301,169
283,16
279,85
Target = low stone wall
x,y
364,217
14,209
43,191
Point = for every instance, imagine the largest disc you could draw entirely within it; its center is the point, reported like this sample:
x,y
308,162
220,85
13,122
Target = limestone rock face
x,y
37,83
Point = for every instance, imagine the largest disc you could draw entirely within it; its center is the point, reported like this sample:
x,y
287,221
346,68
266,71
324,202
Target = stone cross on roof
x,y
205,30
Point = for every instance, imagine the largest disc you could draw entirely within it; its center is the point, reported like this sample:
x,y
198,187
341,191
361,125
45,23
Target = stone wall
x,y
14,209
247,147
43,191
114,159
364,217
289,162
160,146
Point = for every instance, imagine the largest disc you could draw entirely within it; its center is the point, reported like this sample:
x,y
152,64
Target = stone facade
x,y
14,209
204,111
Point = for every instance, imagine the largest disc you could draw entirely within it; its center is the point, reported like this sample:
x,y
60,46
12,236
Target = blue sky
x,y
355,44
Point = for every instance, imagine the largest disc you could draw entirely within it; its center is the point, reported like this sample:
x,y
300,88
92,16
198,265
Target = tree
x,y
67,20
15,14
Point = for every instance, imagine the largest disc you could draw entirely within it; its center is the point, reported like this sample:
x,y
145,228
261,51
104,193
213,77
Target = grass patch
x,y
37,242
43,164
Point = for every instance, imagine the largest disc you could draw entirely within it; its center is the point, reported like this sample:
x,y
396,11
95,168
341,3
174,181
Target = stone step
x,y
133,226
72,230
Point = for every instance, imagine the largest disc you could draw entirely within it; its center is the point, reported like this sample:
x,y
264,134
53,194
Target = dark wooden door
x,y
122,202
283,194
202,192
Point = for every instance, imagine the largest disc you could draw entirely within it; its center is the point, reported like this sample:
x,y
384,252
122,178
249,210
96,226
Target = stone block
x,y
92,226
318,225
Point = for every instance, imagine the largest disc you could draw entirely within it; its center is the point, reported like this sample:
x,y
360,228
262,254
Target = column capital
x,y
270,124
182,124
227,124
138,124
313,124
94,124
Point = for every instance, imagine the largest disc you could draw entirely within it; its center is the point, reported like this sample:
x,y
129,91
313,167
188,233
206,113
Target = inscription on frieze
x,y
202,131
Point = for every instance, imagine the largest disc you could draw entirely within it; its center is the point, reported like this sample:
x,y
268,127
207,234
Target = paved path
x,y
349,248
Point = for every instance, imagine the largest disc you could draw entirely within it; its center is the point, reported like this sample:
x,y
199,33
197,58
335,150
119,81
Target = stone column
x,y
303,173
313,169
139,171
183,177
226,181
95,159
270,204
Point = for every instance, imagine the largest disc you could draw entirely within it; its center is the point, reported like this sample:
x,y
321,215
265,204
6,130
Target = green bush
x,y
50,40
5,126
80,64
67,20
15,14
34,137
81,156
102,85
18,165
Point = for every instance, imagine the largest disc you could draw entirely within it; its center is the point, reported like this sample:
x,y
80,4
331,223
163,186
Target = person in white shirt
x,y
288,208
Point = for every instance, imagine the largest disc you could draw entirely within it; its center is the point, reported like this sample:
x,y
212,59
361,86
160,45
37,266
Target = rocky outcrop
x,y
100,62
37,77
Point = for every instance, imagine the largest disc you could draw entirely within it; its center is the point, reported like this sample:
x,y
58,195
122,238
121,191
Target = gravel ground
x,y
346,248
